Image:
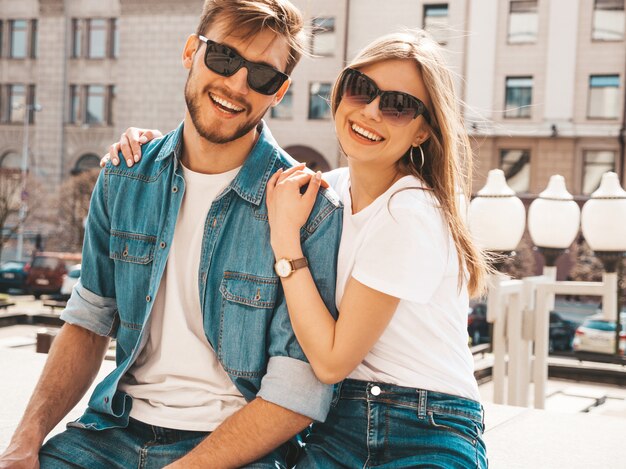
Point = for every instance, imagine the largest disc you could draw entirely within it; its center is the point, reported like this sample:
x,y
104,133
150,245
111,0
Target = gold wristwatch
x,y
285,267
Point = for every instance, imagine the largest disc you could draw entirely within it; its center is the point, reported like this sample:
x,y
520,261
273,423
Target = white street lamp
x,y
553,220
602,222
496,215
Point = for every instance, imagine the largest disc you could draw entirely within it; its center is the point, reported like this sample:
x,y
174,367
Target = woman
x,y
406,268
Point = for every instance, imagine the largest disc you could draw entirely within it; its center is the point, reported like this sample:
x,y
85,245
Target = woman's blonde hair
x,y
448,155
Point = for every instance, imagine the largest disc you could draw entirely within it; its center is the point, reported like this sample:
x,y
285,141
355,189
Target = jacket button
x,y
175,189
375,390
162,244
148,298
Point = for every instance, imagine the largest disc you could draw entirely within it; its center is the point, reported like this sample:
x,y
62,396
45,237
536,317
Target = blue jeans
x,y
138,446
385,426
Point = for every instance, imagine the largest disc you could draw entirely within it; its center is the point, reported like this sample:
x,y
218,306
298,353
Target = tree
x,y
10,200
73,206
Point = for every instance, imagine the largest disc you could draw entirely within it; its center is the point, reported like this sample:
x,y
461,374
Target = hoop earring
x,y
421,157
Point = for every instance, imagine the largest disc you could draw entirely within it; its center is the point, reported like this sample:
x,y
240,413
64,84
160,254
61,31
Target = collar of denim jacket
x,y
252,179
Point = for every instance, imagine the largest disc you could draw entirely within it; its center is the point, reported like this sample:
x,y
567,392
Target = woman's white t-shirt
x,y
400,245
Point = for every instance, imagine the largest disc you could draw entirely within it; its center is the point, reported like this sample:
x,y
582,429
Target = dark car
x,y
13,275
477,325
562,333
47,271
561,336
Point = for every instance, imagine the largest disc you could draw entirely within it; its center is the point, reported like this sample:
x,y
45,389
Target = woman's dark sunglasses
x,y
396,107
225,61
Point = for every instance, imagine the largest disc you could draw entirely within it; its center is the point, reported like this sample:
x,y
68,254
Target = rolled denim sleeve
x,y
92,304
290,381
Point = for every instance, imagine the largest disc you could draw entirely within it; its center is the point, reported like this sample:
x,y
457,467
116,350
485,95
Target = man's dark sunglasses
x,y
225,61
397,108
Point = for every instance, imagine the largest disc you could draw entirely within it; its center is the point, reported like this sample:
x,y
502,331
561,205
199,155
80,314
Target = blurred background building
x,y
542,81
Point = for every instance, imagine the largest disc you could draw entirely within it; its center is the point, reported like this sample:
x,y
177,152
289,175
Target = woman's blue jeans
x,y
386,426
138,446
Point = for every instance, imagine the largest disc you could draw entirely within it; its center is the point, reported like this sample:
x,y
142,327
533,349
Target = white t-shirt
x,y
400,245
177,380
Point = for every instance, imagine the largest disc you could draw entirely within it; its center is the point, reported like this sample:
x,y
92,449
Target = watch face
x,y
283,268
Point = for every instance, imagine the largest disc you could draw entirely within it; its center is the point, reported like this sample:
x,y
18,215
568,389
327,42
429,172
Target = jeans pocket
x,y
459,425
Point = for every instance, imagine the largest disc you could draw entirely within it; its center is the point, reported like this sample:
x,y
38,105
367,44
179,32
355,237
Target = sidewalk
x,y
516,437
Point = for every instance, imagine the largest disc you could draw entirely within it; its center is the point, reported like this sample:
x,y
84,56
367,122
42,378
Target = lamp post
x,y
28,108
553,222
604,229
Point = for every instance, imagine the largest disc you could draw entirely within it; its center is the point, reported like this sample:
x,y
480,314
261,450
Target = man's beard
x,y
214,135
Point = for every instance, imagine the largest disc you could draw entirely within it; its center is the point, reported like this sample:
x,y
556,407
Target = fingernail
x,y
143,139
116,161
129,162
136,157
318,175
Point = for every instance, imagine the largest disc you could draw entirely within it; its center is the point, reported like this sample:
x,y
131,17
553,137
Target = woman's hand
x,y
288,209
130,146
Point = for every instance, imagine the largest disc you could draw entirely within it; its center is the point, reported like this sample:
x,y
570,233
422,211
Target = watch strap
x,y
299,263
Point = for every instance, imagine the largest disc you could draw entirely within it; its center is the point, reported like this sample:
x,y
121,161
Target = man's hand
x,y
20,455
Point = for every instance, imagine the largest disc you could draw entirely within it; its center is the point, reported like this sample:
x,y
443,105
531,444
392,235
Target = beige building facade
x,y
542,81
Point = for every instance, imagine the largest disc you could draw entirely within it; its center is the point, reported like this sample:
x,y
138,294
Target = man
x,y
177,266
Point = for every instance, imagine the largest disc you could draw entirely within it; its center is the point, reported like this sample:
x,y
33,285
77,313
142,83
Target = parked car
x,y
70,279
561,330
562,333
597,335
47,270
477,325
13,275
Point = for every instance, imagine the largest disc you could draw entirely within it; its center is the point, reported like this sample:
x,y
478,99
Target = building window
x,y
323,38
17,103
595,164
319,98
1,38
75,116
114,43
33,39
97,48
523,22
519,93
603,94
86,162
18,33
436,21
608,20
284,109
96,101
77,38
516,167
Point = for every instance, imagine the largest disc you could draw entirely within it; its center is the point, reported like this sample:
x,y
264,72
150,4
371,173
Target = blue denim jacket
x,y
130,228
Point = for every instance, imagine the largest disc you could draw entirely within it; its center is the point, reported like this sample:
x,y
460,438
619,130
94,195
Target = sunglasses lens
x,y
221,60
357,88
398,108
264,79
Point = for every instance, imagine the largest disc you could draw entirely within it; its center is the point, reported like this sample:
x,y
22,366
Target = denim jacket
x,y
130,227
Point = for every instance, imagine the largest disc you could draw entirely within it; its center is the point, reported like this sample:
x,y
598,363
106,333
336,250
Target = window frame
x,y
585,164
326,116
508,35
89,30
433,6
593,23
12,40
521,108
525,153
318,29
590,87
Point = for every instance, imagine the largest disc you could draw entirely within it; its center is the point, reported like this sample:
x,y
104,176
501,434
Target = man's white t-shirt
x,y
177,380
400,245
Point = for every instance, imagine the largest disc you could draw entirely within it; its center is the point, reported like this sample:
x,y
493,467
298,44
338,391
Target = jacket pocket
x,y
131,247
248,303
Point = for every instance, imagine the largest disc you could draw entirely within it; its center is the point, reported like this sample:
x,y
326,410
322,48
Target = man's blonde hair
x,y
246,18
